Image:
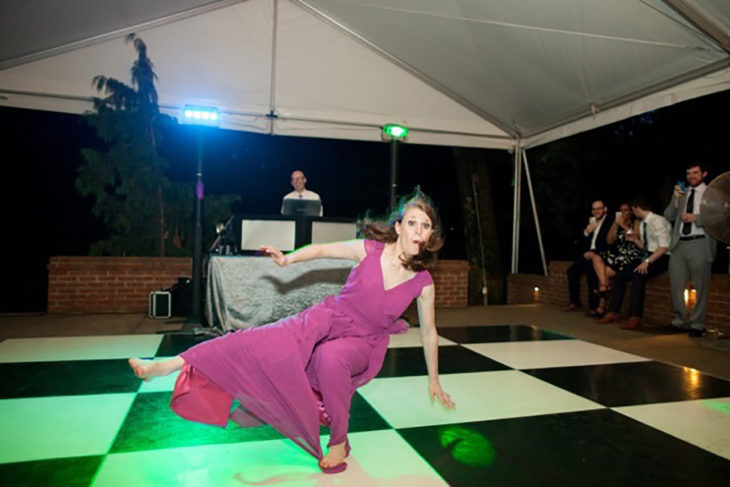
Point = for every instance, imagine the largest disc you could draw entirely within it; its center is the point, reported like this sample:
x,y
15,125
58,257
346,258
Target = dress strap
x,y
426,278
373,247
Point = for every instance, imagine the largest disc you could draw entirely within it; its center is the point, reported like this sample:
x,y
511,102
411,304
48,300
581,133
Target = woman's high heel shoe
x,y
602,291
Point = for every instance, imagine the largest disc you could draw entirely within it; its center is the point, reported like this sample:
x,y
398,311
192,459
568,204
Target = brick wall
x,y
110,284
657,305
123,284
451,280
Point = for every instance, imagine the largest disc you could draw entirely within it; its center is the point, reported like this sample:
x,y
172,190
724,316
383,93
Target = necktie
x,y
644,239
687,226
300,196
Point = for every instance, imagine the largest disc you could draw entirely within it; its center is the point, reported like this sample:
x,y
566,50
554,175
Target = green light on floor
x,y
467,446
723,407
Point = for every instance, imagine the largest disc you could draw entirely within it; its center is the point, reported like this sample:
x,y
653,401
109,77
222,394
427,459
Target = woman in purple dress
x,y
302,371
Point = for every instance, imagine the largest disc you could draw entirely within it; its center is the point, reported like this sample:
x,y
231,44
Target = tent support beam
x,y
683,8
117,34
516,207
407,67
534,212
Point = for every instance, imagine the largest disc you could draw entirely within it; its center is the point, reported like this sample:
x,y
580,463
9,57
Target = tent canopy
x,y
480,73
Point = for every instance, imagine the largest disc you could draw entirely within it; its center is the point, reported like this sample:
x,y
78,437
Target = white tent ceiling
x,y
482,73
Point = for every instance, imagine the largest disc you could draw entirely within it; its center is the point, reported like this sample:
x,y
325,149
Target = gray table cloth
x,y
244,292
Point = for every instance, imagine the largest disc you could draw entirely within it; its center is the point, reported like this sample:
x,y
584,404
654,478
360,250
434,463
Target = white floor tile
x,y
404,402
78,348
60,426
551,353
704,423
372,464
278,462
273,462
412,338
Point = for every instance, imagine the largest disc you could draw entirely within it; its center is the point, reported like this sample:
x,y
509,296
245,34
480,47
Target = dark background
x,y
45,216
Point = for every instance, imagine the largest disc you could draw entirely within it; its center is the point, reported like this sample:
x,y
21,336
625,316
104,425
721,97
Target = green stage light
x,y
395,131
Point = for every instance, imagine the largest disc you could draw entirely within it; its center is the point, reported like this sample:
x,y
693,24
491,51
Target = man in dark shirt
x,y
594,240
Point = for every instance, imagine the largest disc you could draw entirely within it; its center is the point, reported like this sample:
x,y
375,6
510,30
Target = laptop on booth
x,y
297,207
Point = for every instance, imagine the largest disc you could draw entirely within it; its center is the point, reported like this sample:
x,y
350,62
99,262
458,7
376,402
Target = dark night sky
x,y
45,216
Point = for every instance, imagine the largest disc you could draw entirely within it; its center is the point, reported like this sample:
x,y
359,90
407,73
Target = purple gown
x,y
301,371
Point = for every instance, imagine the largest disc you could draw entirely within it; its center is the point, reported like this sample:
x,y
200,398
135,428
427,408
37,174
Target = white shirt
x,y
658,232
304,195
595,232
699,190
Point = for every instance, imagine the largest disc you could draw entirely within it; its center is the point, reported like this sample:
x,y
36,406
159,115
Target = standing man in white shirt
x,y
653,239
299,182
693,251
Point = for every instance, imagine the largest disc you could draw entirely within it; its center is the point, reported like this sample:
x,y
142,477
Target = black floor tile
x,y
497,333
634,383
151,425
363,417
596,448
59,472
174,344
66,378
402,362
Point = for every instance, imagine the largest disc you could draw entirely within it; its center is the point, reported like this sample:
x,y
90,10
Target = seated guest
x,y
594,240
620,254
299,181
653,238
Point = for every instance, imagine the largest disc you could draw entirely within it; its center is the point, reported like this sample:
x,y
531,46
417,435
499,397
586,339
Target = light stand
x,y
393,171
396,134
201,117
197,271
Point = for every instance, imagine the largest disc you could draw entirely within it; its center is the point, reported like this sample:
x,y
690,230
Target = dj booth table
x,y
243,291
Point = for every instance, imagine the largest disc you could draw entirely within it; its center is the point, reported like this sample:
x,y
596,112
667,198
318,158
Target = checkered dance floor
x,y
533,408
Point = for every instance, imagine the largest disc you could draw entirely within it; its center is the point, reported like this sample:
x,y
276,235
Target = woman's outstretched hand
x,y
435,391
275,254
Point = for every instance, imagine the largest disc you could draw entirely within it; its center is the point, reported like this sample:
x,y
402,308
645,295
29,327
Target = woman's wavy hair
x,y
383,230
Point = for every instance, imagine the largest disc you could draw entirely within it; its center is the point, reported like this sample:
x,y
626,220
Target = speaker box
x,y
182,297
160,304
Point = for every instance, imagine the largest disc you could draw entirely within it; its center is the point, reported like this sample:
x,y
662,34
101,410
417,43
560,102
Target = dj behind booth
x,y
245,289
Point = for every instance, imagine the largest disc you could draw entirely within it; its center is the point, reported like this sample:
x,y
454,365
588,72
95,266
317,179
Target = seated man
x,y
653,239
594,240
299,181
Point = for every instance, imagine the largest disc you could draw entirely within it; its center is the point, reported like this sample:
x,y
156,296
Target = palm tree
x,y
122,179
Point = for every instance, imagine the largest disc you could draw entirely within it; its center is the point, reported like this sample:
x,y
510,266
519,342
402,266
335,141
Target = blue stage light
x,y
194,115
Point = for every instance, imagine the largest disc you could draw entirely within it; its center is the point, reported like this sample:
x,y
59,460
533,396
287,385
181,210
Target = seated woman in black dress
x,y
620,254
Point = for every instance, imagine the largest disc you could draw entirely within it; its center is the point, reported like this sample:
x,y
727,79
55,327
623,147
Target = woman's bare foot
x,y
142,368
334,456
149,369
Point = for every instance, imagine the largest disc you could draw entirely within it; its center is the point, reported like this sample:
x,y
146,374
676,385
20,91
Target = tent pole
x,y
516,208
272,80
534,211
